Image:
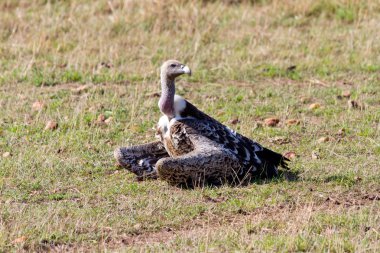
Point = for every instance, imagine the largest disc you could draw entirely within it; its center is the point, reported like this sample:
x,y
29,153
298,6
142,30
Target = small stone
x,y
314,106
101,118
271,122
291,122
108,121
51,125
234,121
290,155
38,106
346,94
323,139
6,154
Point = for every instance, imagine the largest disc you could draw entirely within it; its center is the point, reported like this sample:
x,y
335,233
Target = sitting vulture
x,y
193,148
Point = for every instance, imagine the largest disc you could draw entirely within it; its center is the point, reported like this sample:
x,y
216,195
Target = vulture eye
x,y
173,65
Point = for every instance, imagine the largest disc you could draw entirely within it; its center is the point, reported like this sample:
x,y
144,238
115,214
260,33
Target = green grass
x,y
60,190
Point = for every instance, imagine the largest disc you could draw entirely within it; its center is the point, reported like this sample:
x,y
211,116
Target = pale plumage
x,y
193,148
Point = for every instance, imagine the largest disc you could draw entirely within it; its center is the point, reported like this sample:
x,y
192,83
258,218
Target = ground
x,y
91,69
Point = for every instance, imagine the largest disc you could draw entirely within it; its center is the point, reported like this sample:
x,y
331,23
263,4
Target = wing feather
x,y
249,152
243,148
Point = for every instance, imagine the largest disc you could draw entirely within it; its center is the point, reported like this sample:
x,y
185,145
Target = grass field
x,y
92,68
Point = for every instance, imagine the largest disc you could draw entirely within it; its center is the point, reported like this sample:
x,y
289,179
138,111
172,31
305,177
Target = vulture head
x,y
173,68
169,71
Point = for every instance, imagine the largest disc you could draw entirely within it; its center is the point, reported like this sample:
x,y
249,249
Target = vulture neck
x,y
166,102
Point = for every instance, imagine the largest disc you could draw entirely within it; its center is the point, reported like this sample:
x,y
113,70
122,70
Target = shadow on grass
x,y
283,175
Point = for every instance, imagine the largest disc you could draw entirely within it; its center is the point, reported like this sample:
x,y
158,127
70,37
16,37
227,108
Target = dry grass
x,y
60,190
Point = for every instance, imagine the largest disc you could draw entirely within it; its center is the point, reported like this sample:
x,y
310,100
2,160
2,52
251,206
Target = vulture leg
x,y
141,159
205,166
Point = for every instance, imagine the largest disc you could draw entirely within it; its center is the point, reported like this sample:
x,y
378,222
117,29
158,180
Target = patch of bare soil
x,y
333,203
294,215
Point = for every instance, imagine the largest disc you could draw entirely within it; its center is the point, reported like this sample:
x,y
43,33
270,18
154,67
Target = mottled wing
x,y
251,153
241,147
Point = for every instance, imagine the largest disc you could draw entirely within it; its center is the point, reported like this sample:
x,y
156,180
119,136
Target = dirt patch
x,y
289,211
294,215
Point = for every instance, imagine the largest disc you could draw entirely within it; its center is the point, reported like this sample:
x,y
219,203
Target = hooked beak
x,y
186,70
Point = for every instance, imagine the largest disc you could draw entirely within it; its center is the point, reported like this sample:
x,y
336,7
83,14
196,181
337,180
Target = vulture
x,y
194,149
